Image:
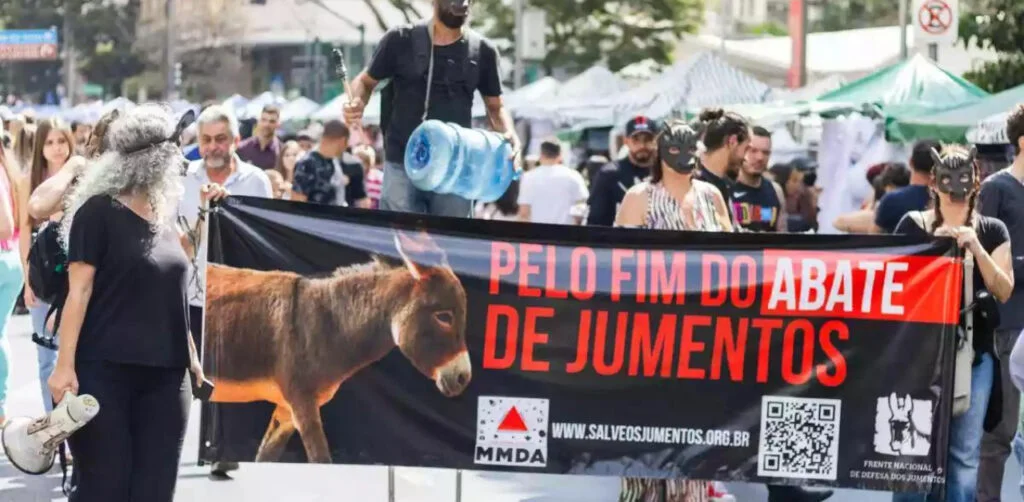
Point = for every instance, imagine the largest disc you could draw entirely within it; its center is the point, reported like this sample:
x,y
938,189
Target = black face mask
x,y
678,146
954,175
453,13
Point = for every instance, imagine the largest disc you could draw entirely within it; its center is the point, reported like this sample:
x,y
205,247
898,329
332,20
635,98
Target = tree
x,y
996,25
856,14
584,32
102,36
32,79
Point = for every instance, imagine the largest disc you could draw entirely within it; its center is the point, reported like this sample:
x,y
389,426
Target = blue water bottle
x,y
475,164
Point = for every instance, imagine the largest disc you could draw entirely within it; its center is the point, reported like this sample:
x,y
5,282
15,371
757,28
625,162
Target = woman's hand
x,y
30,297
63,379
965,237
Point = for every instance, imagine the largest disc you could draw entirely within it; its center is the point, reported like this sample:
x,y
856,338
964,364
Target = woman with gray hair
x,y
124,328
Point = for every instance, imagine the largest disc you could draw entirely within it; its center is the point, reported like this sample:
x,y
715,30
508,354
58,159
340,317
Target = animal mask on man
x,y
678,146
453,13
954,174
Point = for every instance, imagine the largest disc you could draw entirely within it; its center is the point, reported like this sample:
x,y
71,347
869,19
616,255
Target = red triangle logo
x,y
513,422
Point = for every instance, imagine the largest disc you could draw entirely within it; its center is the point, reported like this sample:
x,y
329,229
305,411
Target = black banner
x,y
370,337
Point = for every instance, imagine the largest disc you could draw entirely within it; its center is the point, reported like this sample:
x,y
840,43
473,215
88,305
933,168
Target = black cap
x,y
641,124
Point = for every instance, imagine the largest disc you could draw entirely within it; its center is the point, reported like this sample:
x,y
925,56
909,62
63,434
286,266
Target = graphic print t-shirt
x,y
756,209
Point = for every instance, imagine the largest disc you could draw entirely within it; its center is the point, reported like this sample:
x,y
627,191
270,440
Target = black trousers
x,y
130,451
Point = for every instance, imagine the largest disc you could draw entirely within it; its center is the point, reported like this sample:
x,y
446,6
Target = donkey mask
x,y
954,175
679,145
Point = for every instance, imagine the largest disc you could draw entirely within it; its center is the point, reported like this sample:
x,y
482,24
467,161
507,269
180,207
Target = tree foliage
x,y
581,33
996,25
104,36
856,14
102,31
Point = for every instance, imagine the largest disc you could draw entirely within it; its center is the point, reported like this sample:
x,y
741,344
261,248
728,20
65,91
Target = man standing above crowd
x,y
450,61
914,197
263,148
1002,197
612,181
758,202
327,175
220,170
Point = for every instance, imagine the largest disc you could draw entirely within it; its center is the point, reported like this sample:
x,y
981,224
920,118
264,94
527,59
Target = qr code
x,y
799,438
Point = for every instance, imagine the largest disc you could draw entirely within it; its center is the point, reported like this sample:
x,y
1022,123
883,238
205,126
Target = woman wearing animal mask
x,y
671,199
124,335
955,185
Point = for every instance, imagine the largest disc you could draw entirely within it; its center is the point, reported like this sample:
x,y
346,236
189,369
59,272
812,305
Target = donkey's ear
x,y
419,251
935,156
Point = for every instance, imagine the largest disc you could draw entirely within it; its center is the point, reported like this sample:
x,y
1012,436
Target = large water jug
x,y
475,164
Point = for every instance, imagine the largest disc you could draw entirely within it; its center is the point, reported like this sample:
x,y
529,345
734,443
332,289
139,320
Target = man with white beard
x,y
220,172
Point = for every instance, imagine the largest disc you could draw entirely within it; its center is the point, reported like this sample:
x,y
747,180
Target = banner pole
x,y
391,483
458,485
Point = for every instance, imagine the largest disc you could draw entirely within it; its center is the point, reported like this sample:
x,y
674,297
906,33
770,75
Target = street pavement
x,y
309,483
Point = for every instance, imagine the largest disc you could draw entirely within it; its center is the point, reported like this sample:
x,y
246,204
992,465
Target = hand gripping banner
x,y
369,337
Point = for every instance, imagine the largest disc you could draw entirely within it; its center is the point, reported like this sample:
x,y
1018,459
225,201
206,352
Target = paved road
x,y
303,483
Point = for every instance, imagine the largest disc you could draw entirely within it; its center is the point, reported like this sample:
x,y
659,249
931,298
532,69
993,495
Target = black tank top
x,y
756,209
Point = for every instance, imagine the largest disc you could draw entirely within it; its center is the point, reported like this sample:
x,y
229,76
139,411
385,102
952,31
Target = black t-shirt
x,y
724,186
992,233
609,187
138,311
315,178
756,208
355,190
451,98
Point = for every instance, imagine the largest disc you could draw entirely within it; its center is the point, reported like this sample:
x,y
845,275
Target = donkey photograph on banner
x,y
291,340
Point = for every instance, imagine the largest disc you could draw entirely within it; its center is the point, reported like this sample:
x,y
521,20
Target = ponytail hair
x,y
718,125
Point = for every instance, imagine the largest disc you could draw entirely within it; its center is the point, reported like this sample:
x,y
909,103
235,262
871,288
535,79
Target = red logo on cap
x,y
640,120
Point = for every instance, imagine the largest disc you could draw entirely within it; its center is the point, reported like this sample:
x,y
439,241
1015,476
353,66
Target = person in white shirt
x,y
220,172
552,192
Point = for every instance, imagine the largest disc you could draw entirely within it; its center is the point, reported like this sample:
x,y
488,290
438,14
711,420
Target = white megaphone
x,y
30,444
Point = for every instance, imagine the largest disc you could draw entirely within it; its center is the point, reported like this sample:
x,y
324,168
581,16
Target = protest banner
x,y
369,337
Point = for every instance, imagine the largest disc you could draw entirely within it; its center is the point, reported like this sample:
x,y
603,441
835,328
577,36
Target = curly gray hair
x,y
140,160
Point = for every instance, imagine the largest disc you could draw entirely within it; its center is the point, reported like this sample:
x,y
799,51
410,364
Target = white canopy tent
x,y
990,131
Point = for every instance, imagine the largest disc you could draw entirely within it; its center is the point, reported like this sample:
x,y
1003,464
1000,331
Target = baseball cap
x,y
641,124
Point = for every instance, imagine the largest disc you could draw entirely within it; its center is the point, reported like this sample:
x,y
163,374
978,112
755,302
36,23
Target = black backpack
x,y
48,274
419,65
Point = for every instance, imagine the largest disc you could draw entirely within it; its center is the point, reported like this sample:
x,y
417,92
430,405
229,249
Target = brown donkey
x,y
292,340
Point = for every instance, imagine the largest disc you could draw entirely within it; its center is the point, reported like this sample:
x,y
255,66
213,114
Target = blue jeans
x,y
11,280
965,434
399,194
47,358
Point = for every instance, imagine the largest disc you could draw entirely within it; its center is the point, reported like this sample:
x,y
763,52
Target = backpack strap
x,y
475,40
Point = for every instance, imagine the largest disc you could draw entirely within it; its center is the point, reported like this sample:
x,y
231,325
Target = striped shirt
x,y
665,212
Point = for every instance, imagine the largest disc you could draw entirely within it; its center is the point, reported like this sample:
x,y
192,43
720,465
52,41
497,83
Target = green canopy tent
x,y
913,87
910,88
952,125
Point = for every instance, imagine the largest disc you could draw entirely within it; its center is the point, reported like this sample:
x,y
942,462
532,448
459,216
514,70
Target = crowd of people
x,y
131,194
